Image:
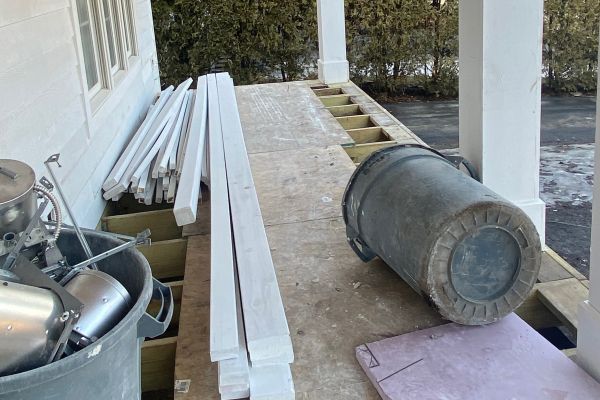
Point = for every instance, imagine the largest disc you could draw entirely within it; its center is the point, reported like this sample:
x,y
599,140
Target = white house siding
x,y
43,107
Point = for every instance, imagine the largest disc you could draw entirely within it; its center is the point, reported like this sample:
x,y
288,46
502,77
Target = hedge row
x,y
394,46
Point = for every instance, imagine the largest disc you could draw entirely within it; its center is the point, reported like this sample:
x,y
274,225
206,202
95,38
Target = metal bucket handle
x,y
150,326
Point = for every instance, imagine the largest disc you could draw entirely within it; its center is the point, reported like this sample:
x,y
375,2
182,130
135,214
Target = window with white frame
x,y
107,32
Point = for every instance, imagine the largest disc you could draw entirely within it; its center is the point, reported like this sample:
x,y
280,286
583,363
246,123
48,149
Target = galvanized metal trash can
x,y
474,255
109,368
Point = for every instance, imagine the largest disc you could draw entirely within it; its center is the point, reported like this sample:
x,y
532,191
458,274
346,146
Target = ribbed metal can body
x,y
474,255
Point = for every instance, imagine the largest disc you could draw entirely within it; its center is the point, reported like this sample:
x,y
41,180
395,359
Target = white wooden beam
x,y
234,373
333,65
162,166
186,200
267,331
224,340
500,97
272,382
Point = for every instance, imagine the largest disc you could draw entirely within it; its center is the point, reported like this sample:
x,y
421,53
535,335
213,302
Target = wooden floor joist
x,y
361,151
342,111
355,121
336,100
158,358
327,91
161,223
267,332
369,135
563,298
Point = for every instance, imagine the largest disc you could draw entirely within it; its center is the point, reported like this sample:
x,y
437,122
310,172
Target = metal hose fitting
x,y
56,213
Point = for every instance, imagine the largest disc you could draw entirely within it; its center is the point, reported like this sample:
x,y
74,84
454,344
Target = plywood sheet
x,y
285,116
192,359
505,360
334,302
300,185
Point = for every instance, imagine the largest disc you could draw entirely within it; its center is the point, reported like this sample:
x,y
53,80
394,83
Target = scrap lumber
x,y
186,200
164,116
161,167
267,332
224,343
119,169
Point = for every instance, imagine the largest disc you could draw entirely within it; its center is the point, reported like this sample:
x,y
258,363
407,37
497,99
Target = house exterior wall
x,y
44,107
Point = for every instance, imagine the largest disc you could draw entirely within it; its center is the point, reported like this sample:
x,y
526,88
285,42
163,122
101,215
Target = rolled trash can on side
x,y
474,255
109,368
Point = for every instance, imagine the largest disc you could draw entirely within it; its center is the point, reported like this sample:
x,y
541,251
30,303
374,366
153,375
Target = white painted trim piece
x,y
117,172
184,133
162,166
272,383
171,190
159,191
155,130
588,351
224,340
267,332
234,373
206,163
151,154
165,181
186,200
242,394
141,187
149,193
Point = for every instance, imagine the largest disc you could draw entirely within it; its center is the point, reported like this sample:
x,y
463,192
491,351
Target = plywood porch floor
x,y
333,301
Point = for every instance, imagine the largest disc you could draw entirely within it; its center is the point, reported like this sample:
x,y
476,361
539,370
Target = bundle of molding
x,y
163,161
249,334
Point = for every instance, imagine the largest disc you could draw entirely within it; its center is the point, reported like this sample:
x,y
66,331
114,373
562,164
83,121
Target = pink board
x,y
505,360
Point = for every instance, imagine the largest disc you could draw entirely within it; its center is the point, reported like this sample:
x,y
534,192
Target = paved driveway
x,y
566,173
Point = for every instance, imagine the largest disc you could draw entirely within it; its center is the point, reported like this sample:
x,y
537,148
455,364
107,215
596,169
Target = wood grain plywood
x,y
301,185
333,302
285,116
192,359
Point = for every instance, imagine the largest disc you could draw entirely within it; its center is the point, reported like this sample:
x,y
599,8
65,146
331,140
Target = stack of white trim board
x,y
163,161
249,334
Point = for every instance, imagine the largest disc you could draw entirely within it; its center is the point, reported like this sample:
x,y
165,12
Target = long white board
x,y
224,341
186,200
267,332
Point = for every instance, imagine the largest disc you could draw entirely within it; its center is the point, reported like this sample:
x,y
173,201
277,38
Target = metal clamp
x,y
149,326
84,243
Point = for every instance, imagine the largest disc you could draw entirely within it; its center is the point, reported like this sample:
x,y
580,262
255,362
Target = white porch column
x,y
500,52
588,333
333,66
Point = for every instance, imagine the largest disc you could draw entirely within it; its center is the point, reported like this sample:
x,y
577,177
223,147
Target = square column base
x,y
536,211
334,71
588,339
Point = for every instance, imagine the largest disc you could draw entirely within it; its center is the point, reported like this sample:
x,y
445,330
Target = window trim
x,y
121,25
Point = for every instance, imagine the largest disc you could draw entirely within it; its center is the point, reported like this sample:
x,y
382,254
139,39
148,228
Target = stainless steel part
x,y
12,256
30,326
55,206
105,301
18,203
84,244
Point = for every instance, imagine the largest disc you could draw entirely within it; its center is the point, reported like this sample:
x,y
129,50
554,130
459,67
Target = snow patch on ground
x,y
567,174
